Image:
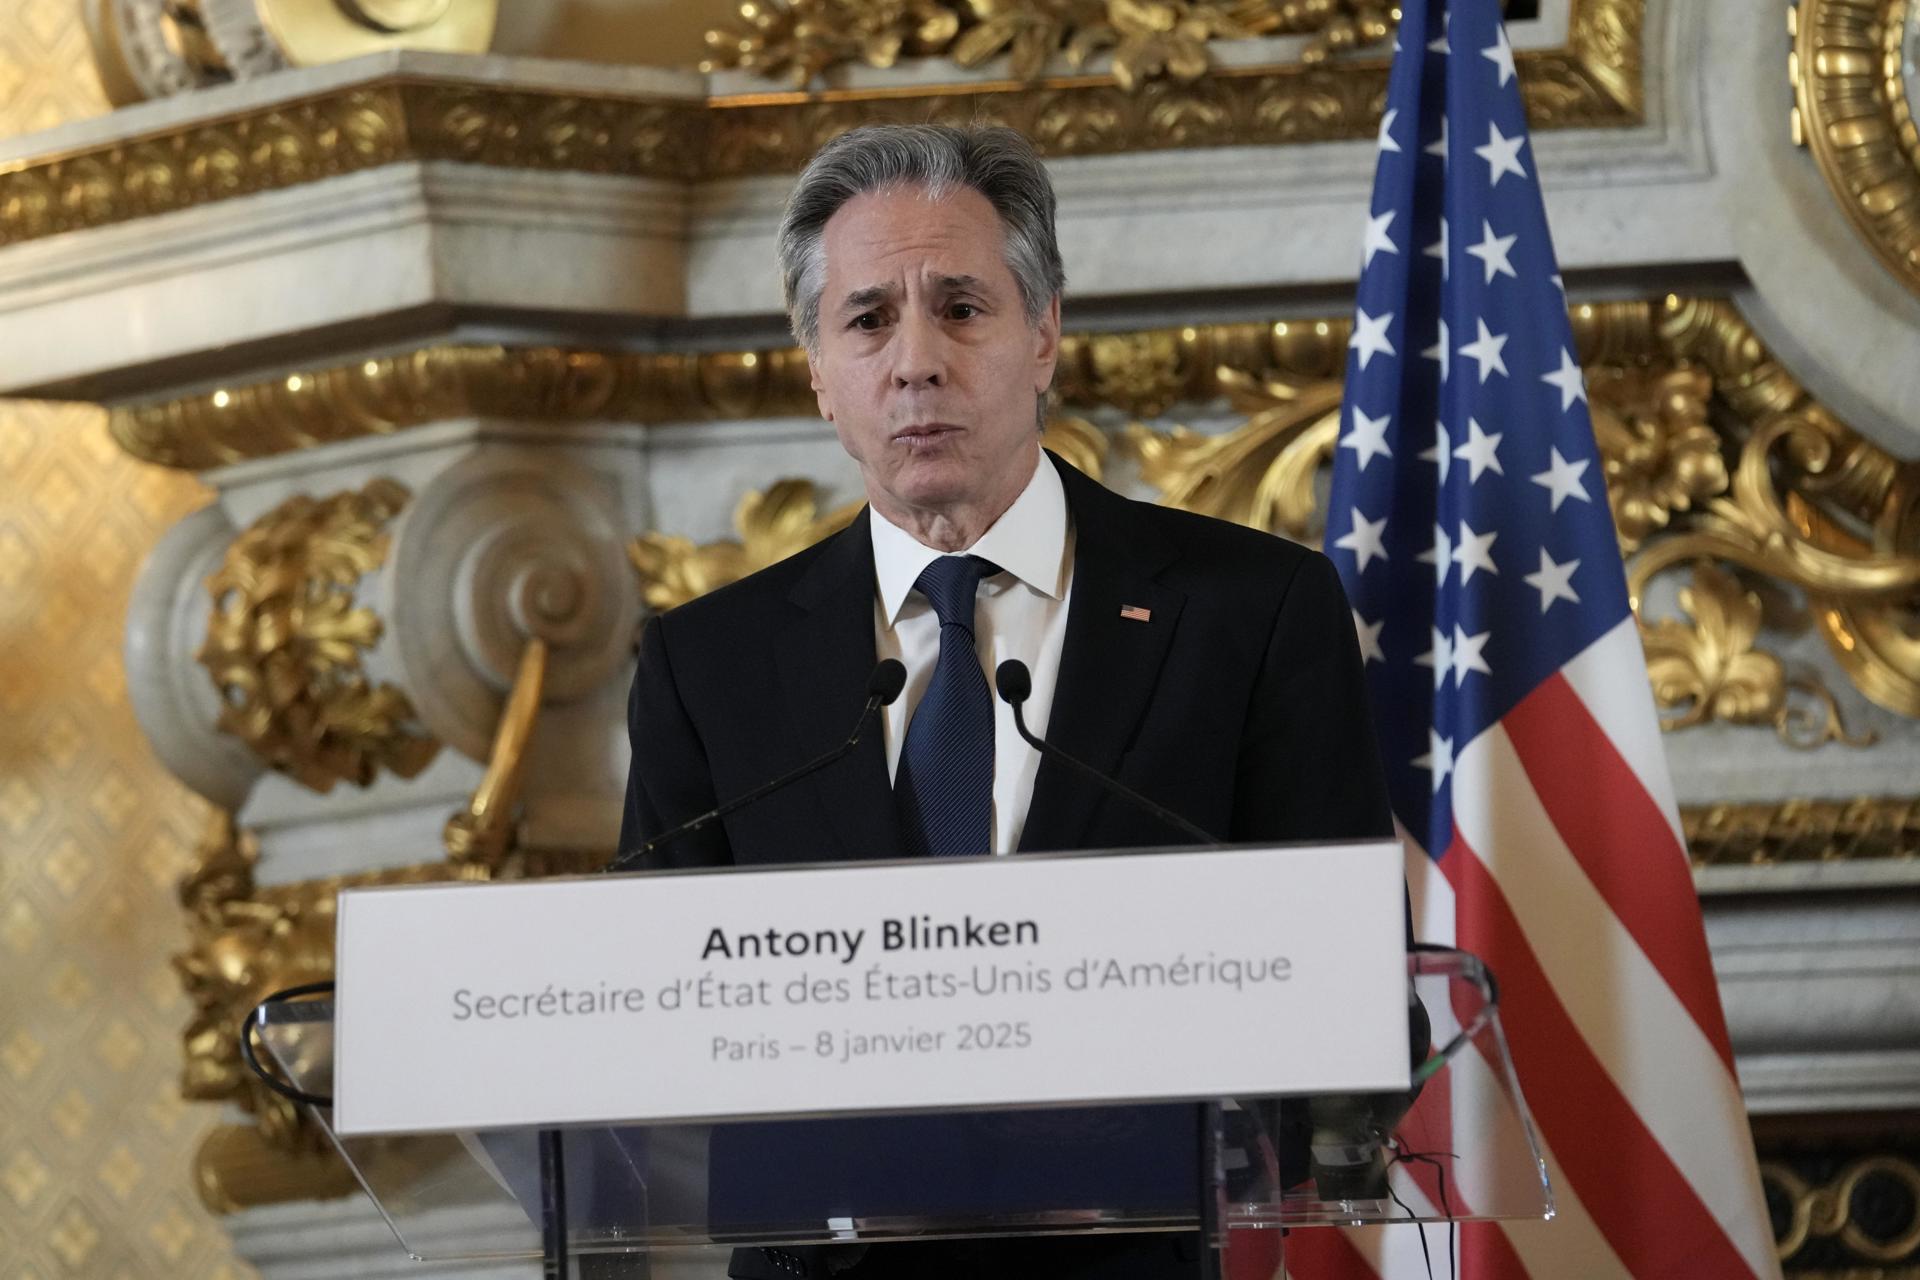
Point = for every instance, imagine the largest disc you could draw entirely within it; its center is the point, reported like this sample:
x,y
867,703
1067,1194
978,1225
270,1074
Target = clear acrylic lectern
x,y
1461,1147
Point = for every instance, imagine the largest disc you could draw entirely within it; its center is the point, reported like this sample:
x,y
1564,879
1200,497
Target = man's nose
x,y
919,353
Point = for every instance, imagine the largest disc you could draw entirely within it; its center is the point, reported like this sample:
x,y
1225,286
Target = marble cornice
x,y
185,160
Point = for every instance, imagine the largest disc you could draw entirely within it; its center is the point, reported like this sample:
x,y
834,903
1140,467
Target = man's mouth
x,y
925,432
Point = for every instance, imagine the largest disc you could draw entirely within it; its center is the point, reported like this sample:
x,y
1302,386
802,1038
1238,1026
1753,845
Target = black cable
x,y
1446,1208
1420,1226
252,1059
553,1205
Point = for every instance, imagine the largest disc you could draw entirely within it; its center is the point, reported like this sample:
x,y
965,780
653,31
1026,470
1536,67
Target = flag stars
x,y
1553,581
1440,44
1480,452
1439,657
1439,758
1367,438
1492,252
1474,551
1562,479
1377,239
1369,633
1467,655
1484,351
1500,54
1568,380
1442,352
1387,141
1438,147
1502,154
1370,336
1366,539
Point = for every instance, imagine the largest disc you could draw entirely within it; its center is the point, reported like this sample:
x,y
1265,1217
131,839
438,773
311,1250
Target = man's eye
x,y
963,311
867,321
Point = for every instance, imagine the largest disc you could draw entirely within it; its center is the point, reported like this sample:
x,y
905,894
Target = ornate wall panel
x,y
95,1135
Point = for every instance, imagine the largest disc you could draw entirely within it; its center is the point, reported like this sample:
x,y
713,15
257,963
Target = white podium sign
x,y
877,986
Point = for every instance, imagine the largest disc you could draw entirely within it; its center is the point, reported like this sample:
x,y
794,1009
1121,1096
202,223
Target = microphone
x,y
888,678
1015,684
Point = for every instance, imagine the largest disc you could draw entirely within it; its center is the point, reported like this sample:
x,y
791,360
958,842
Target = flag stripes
x,y
1620,839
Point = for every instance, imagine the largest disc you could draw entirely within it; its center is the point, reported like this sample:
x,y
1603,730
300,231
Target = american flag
x,y
1469,521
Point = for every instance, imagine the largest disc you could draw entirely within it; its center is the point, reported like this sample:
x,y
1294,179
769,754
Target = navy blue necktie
x,y
944,783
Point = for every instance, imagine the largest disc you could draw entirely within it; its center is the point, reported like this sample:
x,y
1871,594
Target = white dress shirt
x,y
1022,613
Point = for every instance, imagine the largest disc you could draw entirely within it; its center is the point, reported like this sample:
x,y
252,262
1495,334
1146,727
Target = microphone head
x,y
888,679
1014,681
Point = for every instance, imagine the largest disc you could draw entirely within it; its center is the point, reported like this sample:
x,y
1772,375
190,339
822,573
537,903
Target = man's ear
x,y
1046,349
819,387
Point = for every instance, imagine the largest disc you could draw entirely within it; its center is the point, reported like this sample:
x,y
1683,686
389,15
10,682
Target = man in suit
x,y
1211,667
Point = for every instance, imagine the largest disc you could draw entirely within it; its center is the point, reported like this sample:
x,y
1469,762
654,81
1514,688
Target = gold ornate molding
x,y
1594,80
392,393
1768,833
285,637
1137,373
798,40
1853,111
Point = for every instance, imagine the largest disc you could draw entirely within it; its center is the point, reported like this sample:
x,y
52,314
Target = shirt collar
x,y
1028,541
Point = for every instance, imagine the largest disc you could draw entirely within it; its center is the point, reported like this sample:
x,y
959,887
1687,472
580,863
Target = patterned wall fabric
x,y
95,1141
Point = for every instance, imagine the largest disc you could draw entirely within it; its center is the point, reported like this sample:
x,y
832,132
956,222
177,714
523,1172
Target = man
x,y
1211,667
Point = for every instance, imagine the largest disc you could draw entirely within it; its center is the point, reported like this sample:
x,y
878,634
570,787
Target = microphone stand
x,y
883,686
1015,685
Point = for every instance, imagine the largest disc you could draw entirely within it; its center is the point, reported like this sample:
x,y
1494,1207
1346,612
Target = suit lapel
x,y
1109,663
824,658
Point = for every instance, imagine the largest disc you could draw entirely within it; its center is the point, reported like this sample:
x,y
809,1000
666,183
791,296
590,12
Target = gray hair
x,y
996,161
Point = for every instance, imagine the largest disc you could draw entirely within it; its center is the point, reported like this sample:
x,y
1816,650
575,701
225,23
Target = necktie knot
x,y
950,584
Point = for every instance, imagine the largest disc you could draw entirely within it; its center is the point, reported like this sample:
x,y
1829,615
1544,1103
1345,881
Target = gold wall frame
x,y
1853,112
1595,79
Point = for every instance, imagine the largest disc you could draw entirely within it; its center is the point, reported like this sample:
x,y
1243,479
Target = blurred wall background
x,y
95,1139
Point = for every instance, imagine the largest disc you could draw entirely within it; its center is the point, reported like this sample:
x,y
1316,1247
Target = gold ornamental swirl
x,y
285,638
241,949
1853,112
1708,669
246,941
1712,452
1833,1208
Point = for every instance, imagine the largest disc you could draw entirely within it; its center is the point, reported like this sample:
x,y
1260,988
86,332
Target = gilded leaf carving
x,y
1710,669
798,40
772,525
286,635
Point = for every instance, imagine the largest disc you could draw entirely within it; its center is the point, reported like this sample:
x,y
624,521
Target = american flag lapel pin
x,y
1136,613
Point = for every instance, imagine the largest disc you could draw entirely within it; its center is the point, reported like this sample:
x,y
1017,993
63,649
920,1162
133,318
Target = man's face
x,y
926,365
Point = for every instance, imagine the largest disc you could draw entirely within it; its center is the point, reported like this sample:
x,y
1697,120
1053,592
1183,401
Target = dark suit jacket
x,y
1240,704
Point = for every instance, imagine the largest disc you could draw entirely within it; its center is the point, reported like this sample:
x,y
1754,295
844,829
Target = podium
x,y
1456,1145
